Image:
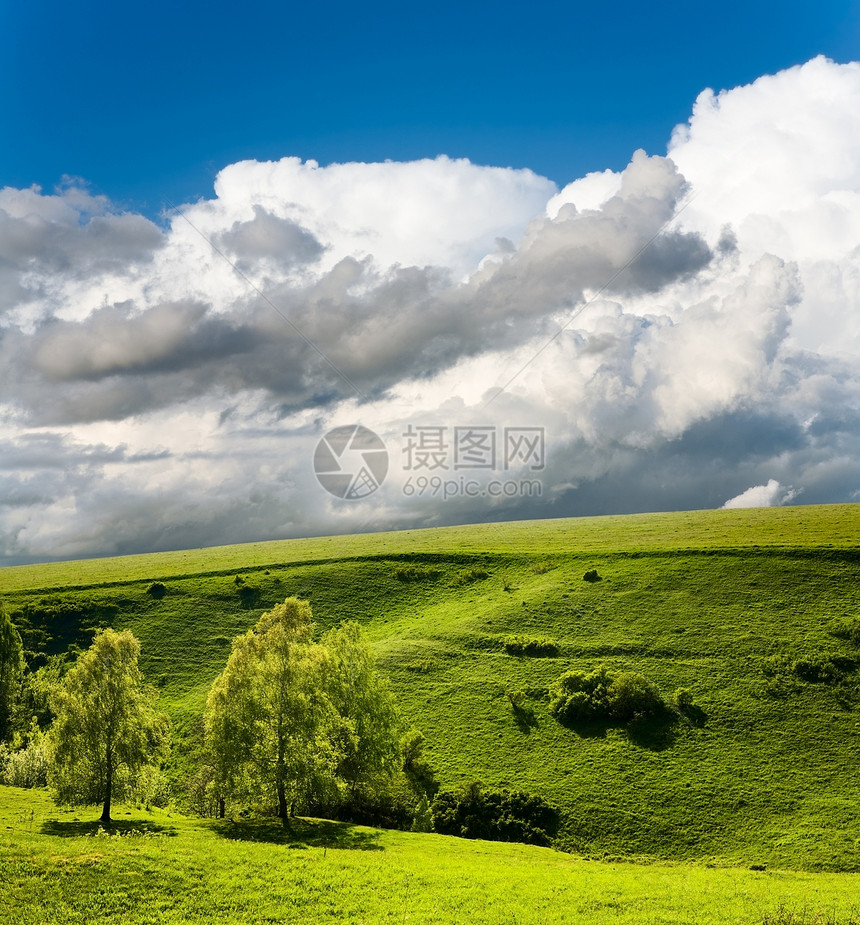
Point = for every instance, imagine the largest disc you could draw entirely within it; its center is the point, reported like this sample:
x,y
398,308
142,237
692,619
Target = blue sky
x,y
146,102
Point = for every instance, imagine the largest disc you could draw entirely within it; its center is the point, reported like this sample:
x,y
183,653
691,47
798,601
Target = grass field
x,y
159,868
726,604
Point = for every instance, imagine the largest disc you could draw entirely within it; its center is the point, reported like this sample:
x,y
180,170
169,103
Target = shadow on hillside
x,y
525,718
654,733
122,827
297,833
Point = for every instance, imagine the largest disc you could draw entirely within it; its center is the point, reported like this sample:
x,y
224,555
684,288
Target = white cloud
x,y
681,329
769,495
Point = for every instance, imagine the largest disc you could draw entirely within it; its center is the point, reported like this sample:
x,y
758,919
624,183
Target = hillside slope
x,y
738,607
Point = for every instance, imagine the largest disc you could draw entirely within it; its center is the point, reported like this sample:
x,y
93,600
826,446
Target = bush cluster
x,y
412,573
496,815
532,646
598,696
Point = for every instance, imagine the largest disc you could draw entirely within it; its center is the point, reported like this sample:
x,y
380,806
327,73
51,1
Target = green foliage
x,y
368,737
530,646
580,696
591,576
11,670
156,590
106,730
61,623
422,820
289,719
632,696
495,815
27,765
812,668
599,696
268,719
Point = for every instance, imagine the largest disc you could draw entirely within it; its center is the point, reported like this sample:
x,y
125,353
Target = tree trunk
x,y
109,787
221,808
283,811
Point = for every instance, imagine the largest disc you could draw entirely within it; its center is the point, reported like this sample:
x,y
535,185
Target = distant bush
x,y
249,596
531,646
811,668
598,696
413,573
496,815
592,576
156,590
468,576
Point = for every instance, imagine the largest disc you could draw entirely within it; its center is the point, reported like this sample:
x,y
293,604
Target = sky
x,y
553,259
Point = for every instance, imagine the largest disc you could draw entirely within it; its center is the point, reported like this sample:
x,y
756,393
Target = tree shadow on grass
x,y
654,733
121,827
297,833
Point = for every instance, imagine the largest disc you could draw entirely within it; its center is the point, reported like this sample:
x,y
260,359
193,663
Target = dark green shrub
x,y
592,576
533,647
632,696
156,590
496,815
581,697
412,573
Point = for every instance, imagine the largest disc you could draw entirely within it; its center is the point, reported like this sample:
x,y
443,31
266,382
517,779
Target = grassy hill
x,y
738,607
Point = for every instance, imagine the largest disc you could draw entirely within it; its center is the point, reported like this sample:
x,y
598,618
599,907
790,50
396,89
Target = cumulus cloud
x,y
768,495
681,329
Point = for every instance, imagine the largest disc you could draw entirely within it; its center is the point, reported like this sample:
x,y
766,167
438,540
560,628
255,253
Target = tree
x,y
268,717
11,670
369,729
106,730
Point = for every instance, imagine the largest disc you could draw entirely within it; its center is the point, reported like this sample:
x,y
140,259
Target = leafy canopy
x,y
106,730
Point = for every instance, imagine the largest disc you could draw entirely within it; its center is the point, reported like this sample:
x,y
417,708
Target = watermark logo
x,y
351,462
438,461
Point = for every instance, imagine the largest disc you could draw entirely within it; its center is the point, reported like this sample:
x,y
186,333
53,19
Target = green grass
x,y
764,772
160,868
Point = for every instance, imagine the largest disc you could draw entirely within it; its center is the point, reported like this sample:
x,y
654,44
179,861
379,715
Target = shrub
x,y
156,590
533,647
496,815
598,696
591,575
632,696
27,767
467,576
579,696
412,573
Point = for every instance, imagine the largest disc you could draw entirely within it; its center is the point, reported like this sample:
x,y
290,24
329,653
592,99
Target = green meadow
x,y
754,613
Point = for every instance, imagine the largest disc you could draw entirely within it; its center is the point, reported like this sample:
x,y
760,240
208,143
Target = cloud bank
x,y
680,330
